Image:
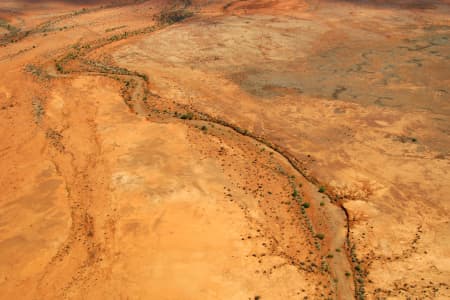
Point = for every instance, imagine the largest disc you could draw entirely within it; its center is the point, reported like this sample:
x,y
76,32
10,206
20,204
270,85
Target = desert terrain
x,y
248,149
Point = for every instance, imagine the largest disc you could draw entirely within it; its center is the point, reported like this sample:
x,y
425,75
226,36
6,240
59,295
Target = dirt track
x,y
145,159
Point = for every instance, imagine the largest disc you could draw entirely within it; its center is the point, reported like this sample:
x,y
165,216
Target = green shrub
x,y
169,17
59,67
320,236
322,189
187,116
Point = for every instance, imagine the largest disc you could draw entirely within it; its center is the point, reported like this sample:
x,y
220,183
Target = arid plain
x,y
250,149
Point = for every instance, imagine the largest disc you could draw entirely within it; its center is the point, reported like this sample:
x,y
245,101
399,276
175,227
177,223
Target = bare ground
x,y
143,159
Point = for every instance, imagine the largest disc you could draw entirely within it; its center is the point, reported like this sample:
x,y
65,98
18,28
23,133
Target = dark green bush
x,y
187,116
169,17
59,67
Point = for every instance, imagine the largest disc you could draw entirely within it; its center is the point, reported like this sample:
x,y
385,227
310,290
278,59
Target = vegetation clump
x,y
59,67
38,109
187,116
37,71
320,236
172,16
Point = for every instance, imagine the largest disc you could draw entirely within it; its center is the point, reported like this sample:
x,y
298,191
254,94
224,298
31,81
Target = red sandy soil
x,y
255,149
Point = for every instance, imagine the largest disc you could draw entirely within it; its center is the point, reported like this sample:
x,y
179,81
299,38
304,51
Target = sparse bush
x,y
306,205
168,17
322,189
143,76
187,116
204,128
320,236
37,71
70,56
59,67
